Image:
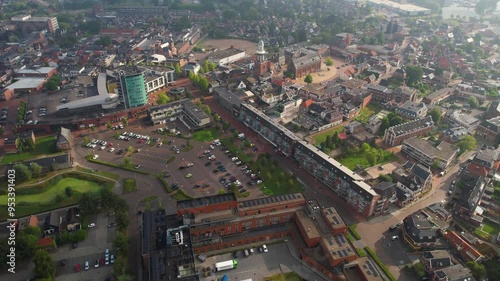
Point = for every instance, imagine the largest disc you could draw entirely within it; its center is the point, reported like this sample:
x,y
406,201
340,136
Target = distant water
x,y
455,10
458,11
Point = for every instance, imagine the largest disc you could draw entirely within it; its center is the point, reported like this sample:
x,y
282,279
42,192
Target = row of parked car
x,y
106,260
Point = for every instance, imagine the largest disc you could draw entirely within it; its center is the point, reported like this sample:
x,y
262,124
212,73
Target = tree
x,y
88,203
108,125
122,221
308,79
216,118
51,85
206,109
162,99
386,178
436,114
44,266
104,41
329,61
120,244
477,270
177,69
35,168
473,102
127,162
124,121
414,75
68,191
467,143
22,172
31,230
396,120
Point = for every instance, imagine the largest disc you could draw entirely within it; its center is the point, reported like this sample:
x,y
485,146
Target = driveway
x,y
260,265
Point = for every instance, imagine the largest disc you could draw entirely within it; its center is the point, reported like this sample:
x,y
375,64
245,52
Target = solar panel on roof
x,y
335,220
330,242
345,253
340,253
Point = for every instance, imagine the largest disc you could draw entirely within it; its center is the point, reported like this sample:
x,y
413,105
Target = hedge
x,y
380,263
116,166
356,235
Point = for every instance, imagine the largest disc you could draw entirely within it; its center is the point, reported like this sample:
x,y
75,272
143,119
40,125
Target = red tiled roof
x,y
465,248
43,242
33,221
477,169
308,103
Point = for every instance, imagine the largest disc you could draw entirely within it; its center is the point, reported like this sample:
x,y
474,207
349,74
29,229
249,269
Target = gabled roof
x,y
64,135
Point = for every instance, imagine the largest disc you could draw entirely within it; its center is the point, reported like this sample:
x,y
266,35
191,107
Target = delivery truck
x,y
225,265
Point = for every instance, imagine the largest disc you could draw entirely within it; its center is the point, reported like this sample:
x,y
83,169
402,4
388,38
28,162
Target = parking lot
x,y
99,238
257,266
192,170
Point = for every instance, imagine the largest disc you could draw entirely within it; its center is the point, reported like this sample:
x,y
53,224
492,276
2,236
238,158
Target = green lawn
x,y
129,185
206,135
45,145
231,146
490,227
367,112
50,198
321,137
275,180
101,173
180,194
289,276
359,158
48,195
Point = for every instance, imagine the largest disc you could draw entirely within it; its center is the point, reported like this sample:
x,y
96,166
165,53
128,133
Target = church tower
x,y
261,63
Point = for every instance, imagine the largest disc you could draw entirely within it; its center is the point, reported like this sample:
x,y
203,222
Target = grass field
x,y
275,180
49,195
51,198
367,112
359,158
490,227
44,146
321,137
129,185
206,135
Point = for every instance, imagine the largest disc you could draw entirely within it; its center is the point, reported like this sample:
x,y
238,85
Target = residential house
x,y
384,95
493,110
490,130
465,250
395,135
435,260
373,124
423,151
412,180
437,96
457,118
387,192
455,272
348,111
226,98
332,116
418,232
73,221
289,108
64,139
412,110
316,109
193,67
485,163
53,222
31,221
453,135
353,127
468,207
10,145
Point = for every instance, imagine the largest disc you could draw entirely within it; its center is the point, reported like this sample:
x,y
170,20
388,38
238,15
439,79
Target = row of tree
x,y
26,173
199,81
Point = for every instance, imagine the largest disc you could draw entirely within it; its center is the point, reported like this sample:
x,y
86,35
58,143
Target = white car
x,y
393,238
212,147
92,225
259,182
234,159
95,157
111,149
103,147
264,248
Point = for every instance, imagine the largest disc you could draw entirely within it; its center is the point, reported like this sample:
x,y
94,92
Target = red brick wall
x,y
270,209
310,242
209,208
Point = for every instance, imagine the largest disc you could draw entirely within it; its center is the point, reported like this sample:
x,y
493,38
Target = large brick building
x,y
395,135
339,178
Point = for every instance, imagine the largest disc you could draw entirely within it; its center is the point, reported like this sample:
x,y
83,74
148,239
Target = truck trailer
x,y
225,265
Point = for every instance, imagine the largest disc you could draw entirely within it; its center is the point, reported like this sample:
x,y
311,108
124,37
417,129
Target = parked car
x,y
112,259
264,248
77,267
394,238
87,265
189,175
111,225
96,264
92,225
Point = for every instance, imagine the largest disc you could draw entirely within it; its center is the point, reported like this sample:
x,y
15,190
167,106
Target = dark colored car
x,y
101,261
235,254
166,175
208,163
75,245
111,225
